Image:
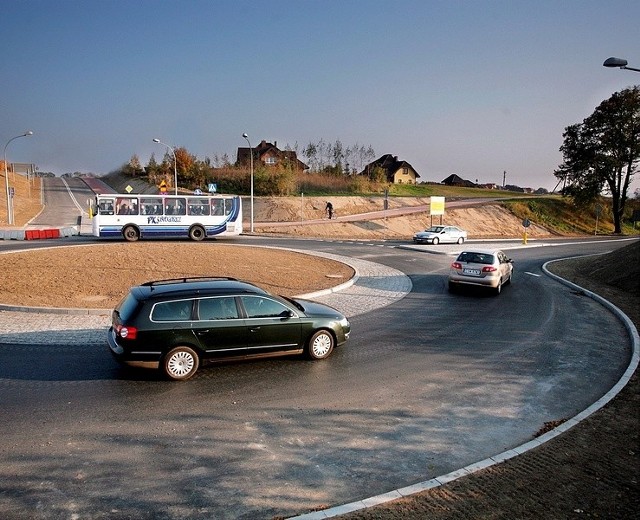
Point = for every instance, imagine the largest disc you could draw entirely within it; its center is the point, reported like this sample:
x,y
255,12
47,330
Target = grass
x,y
26,199
561,216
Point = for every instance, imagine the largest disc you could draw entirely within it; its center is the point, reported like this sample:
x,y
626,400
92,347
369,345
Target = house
x,y
395,171
269,155
456,180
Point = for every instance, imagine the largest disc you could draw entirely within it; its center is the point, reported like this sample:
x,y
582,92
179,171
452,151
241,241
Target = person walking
x,y
329,209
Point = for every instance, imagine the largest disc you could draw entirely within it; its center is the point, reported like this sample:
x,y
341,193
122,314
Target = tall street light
x,y
6,177
618,62
175,163
251,162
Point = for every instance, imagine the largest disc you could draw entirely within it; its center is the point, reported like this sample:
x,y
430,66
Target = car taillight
x,y
456,265
488,269
126,332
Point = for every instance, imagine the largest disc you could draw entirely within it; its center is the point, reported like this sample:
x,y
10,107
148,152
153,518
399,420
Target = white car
x,y
440,235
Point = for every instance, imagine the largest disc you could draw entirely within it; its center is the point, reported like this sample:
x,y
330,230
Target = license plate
x,y
475,272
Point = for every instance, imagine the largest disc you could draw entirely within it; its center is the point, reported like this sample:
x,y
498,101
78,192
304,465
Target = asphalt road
x,y
425,386
65,202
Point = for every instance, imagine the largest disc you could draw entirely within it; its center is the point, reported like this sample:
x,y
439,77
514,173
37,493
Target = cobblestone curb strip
x,y
373,286
518,450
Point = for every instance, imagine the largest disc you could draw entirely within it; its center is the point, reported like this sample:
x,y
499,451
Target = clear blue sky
x,y
468,87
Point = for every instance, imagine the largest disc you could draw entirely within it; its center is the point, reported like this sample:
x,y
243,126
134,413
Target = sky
x,y
476,88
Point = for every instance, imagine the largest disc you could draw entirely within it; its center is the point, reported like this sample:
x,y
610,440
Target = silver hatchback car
x,y
484,268
440,234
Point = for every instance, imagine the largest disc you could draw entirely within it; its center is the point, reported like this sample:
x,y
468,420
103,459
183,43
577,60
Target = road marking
x,y
533,274
73,199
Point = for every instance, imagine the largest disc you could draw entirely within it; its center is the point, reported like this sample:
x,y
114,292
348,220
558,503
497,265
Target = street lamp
x,y
6,177
175,163
618,62
251,162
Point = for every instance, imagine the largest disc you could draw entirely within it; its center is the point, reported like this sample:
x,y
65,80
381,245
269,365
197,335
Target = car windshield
x,y
476,258
434,229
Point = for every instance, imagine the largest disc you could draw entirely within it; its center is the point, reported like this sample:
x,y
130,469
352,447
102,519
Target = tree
x,y
602,153
133,167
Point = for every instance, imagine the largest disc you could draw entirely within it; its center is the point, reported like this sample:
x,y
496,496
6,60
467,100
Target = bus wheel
x,y
130,233
196,233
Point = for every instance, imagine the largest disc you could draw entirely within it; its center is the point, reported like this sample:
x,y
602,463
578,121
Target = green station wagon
x,y
177,325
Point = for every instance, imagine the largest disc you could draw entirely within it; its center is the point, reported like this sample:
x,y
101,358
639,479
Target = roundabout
x,y
410,398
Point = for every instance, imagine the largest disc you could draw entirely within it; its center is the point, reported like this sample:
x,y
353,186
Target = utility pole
x,y
504,178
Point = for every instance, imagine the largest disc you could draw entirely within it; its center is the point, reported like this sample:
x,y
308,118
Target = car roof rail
x,y
188,279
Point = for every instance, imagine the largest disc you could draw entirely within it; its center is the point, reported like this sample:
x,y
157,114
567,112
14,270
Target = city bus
x,y
166,216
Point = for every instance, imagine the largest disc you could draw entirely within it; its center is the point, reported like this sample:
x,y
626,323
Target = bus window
x,y
228,206
150,206
106,207
217,206
198,207
175,207
128,206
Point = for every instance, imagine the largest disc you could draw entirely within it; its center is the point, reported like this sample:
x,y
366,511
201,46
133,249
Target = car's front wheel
x,y
435,241
180,363
320,345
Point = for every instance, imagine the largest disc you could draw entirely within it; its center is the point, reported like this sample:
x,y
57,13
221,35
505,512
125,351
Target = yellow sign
x,y
128,189
437,205
163,186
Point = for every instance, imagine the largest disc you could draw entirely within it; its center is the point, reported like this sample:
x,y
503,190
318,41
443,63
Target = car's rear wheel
x,y
320,345
130,233
197,233
435,241
460,240
180,363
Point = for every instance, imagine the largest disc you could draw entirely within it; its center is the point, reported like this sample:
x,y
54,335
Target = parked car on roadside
x,y
484,268
177,325
440,235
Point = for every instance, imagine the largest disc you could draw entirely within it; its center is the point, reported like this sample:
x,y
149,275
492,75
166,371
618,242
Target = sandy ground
x,y
98,276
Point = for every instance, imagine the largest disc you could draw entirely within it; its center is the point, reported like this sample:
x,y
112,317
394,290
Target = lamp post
x,y
251,162
175,163
618,62
6,177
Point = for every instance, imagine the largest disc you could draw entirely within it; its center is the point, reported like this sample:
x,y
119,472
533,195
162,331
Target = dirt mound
x,y
486,221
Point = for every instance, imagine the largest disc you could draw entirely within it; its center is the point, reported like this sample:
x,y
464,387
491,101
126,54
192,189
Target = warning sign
x,y
163,186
